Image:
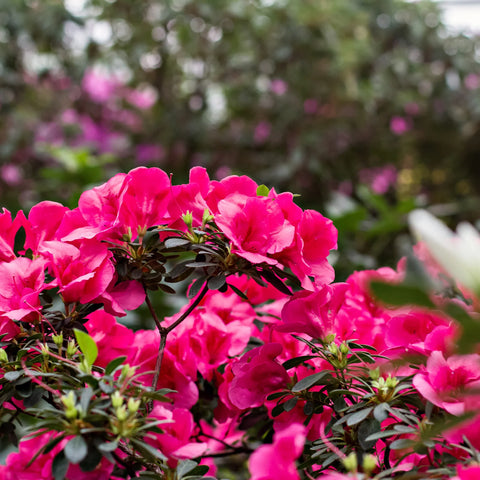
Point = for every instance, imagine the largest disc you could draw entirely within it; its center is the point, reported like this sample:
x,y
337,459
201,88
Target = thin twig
x,y
164,331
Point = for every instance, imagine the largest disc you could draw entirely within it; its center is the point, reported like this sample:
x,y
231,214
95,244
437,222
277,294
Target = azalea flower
x,y
458,254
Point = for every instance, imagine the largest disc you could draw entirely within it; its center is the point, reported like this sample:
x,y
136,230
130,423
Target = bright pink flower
x,y
256,226
175,442
8,328
8,230
11,174
419,331
469,472
313,313
112,338
277,461
256,375
146,199
21,282
279,87
83,274
447,382
44,220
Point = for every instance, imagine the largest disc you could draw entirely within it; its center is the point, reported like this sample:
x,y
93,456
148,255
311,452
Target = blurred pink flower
x,y
11,174
412,108
142,99
278,86
379,179
400,125
262,131
310,106
148,152
223,172
472,81
99,87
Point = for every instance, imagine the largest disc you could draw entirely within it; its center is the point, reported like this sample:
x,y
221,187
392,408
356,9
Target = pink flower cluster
x,y
68,250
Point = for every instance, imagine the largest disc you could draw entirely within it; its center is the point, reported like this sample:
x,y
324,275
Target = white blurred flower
x,y
458,253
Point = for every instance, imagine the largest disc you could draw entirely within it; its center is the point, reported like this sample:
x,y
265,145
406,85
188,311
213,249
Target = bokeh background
x,y
364,108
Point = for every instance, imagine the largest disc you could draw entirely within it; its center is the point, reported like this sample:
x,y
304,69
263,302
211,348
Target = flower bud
x,y
68,401
121,413
350,462
344,348
207,217
375,373
188,219
133,405
127,371
117,399
71,348
391,382
369,463
45,350
3,356
58,339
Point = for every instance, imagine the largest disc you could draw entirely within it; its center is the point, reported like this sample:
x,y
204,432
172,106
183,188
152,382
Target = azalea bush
x,y
269,370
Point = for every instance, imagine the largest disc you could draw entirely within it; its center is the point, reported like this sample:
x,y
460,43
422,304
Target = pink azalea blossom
x,y
400,125
8,230
447,382
21,282
256,375
82,274
277,461
175,442
469,472
112,338
256,226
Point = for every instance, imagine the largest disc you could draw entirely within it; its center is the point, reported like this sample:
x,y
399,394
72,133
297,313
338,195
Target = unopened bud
x,y
188,219
369,463
391,382
207,217
127,371
71,348
375,373
69,404
117,399
332,348
85,366
344,348
3,356
45,350
121,413
58,339
133,405
350,463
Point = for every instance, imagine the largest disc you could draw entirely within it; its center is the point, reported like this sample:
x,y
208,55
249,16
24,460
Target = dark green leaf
x,y
114,364
357,417
295,362
196,287
108,446
401,294
365,429
238,292
60,466
76,449
307,382
85,397
214,283
176,242
290,404
12,376
380,412
148,450
184,467
402,443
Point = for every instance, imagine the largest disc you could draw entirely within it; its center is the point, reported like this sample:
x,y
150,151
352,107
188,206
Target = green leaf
x,y
59,466
175,242
87,346
12,376
214,283
108,446
401,294
263,191
357,417
290,404
76,449
114,364
295,362
307,382
148,450
402,443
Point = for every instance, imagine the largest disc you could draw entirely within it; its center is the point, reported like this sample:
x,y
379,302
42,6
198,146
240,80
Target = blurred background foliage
x,y
365,108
